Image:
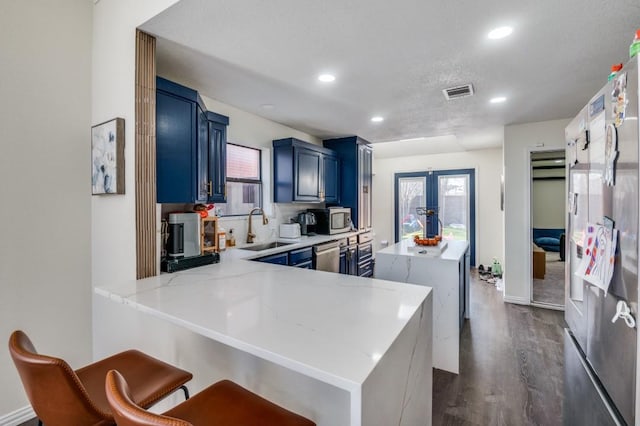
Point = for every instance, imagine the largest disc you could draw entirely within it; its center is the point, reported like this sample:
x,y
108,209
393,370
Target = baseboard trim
x,y
516,300
17,417
548,306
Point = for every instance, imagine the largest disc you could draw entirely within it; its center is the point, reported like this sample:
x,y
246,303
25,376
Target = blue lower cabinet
x,y
303,255
277,259
343,262
305,265
365,269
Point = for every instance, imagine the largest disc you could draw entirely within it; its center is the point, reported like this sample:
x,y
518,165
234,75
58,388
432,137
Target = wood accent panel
x,y
145,147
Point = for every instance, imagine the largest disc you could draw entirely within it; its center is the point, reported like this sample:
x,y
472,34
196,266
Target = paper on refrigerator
x,y
598,257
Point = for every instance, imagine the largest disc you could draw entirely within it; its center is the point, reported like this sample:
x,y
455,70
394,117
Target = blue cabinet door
x,y
331,178
343,263
181,144
217,158
190,147
308,166
302,255
202,156
304,172
176,158
278,259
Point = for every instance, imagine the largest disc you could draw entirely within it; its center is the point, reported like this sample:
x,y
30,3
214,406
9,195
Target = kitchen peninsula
x,y
447,273
338,349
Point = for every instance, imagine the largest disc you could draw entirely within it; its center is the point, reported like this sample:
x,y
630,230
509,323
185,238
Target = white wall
x,y
548,204
519,141
113,95
487,163
45,212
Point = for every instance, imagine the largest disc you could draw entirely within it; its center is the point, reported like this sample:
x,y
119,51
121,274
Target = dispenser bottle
x,y
634,49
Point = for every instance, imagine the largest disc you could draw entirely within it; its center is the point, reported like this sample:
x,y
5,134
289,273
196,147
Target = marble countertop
x,y
454,250
328,326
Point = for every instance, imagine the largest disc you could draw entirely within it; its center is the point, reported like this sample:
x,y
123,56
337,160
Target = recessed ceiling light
x,y
500,32
377,119
267,106
497,100
326,78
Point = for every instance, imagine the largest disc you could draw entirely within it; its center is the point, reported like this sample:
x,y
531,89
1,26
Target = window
x,y
244,181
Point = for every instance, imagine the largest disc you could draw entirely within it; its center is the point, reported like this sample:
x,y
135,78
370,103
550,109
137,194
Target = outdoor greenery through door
x,y
449,193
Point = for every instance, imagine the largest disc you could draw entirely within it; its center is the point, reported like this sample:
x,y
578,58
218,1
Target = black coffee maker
x,y
307,221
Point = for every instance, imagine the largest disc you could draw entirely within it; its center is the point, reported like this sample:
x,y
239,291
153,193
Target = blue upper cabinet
x,y
304,172
190,159
331,175
217,157
355,156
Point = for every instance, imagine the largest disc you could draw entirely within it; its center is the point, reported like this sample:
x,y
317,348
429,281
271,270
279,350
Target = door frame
x,y
529,222
431,190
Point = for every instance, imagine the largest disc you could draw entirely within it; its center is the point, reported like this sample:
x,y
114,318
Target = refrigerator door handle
x,y
623,311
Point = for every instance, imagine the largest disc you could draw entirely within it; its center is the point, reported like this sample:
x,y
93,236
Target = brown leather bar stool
x,y
223,403
62,396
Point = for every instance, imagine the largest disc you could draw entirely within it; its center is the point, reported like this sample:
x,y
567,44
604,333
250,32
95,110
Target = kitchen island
x,y
447,273
338,349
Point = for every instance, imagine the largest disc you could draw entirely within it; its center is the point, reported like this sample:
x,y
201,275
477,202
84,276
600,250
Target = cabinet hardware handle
x,y
225,190
209,188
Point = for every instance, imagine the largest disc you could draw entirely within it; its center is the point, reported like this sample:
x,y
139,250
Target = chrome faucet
x,y
250,235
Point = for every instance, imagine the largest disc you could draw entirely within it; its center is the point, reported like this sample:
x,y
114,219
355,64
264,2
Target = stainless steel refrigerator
x,y
602,182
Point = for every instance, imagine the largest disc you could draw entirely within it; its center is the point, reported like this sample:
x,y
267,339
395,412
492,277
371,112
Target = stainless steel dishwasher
x,y
326,257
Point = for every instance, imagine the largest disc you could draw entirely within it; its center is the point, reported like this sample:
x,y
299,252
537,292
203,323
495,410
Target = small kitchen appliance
x,y
289,230
184,235
306,220
332,220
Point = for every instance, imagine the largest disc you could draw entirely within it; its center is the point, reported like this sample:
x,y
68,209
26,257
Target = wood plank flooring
x,y
511,360
551,288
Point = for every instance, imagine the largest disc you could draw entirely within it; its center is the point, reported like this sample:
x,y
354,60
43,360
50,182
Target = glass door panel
x,y
411,193
453,204
450,193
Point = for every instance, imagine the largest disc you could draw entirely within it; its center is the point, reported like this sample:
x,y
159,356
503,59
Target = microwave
x,y
332,220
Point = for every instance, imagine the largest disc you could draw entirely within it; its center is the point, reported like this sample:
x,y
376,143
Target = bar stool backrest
x,y
53,388
128,413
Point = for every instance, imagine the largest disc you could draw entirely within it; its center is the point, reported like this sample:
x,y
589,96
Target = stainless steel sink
x,y
266,246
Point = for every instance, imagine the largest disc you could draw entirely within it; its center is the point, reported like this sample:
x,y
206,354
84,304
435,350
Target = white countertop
x,y
454,251
239,252
328,326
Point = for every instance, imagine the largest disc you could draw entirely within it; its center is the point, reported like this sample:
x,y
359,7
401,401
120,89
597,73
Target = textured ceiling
x,y
393,59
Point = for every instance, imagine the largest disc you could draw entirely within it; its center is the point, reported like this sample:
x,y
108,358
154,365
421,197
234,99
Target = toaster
x,y
290,230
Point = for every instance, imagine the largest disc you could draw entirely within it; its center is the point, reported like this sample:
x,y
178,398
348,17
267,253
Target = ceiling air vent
x,y
458,92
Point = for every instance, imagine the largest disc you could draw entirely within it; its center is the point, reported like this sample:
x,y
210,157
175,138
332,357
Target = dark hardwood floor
x,y
511,360
551,288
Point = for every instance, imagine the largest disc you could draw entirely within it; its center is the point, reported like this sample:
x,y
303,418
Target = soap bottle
x,y
222,239
634,49
231,241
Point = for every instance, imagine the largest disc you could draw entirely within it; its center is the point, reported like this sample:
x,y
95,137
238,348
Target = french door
x,y
449,194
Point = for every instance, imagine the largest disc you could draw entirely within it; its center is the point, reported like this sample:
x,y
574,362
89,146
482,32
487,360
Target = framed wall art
x,y
107,157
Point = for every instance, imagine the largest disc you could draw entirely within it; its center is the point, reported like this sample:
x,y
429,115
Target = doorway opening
x,y
449,193
547,218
